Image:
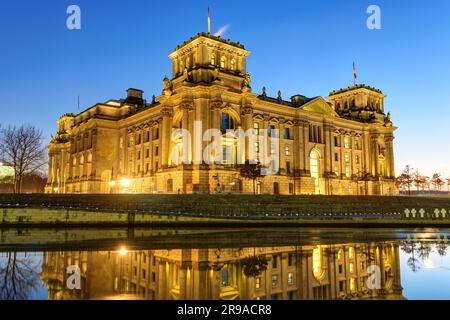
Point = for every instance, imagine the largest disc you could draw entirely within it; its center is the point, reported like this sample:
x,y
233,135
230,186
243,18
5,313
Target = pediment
x,y
319,105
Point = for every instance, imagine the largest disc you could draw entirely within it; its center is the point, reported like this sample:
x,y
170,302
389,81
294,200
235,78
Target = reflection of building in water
x,y
307,272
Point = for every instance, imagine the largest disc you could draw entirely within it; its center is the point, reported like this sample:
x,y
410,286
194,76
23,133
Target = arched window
x,y
213,59
314,168
233,64
222,63
227,122
318,263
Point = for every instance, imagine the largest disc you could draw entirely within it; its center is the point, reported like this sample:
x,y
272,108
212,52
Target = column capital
x,y
166,112
216,105
187,105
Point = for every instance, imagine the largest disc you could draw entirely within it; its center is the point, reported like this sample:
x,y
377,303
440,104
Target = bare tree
x,y
18,277
23,148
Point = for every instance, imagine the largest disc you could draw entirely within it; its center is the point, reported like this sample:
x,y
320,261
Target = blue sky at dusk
x,y
298,47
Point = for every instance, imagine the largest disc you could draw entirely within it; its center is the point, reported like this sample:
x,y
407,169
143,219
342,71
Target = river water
x,y
193,264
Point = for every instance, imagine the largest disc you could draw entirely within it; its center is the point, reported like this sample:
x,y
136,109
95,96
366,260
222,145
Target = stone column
x,y
397,284
390,156
382,291
281,146
327,156
306,155
161,293
165,136
374,154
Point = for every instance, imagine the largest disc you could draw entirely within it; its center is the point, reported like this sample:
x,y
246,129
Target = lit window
x,y
222,62
274,280
287,150
352,284
233,64
290,278
213,59
352,267
339,254
317,263
346,142
351,252
258,283
225,281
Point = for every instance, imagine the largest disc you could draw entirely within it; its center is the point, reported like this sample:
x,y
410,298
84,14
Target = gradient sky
x,y
298,47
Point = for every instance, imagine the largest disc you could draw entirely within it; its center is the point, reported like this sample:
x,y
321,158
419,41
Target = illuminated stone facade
x,y
342,145
300,273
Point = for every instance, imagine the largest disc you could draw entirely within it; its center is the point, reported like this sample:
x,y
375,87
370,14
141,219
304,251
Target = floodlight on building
x,y
125,182
123,251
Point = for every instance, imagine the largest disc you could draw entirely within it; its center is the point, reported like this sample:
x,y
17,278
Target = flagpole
x,y
209,19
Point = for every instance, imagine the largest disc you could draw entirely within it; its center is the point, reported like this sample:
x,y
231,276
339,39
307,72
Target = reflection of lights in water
x,y
123,251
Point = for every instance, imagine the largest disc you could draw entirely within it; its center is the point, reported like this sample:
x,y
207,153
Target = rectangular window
x,y
258,283
274,262
274,280
346,142
290,278
139,155
351,267
336,141
352,284
287,150
290,259
288,167
147,136
272,131
342,286
147,153
156,151
256,128
336,156
144,274
287,133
